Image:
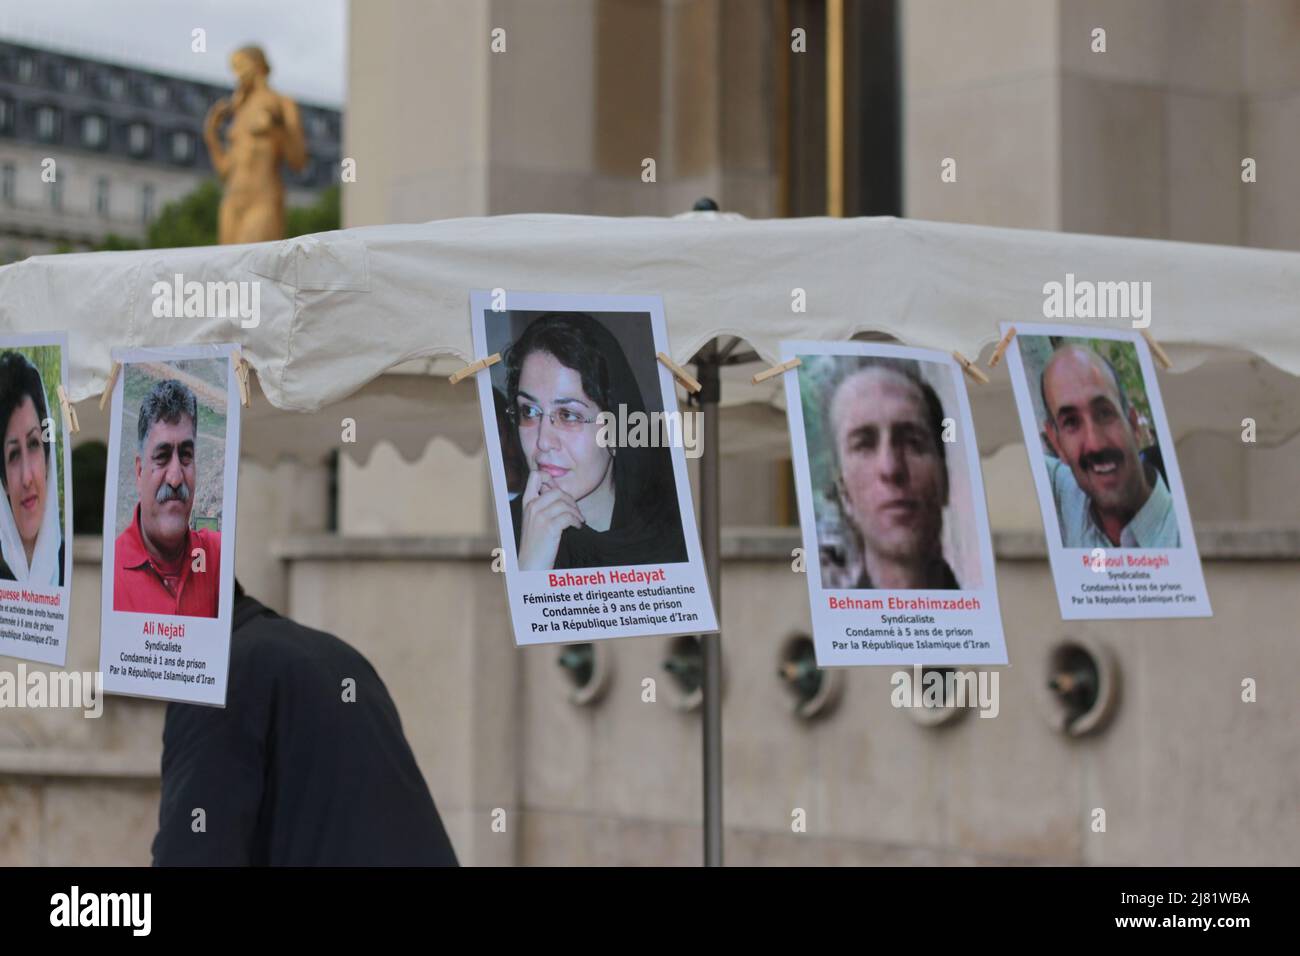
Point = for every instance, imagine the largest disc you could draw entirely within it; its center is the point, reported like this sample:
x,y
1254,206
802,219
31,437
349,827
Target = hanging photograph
x,y
1119,535
169,524
891,505
588,454
35,516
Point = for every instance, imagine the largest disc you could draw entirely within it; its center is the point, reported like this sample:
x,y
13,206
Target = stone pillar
x,y
982,86
276,501
417,111
624,81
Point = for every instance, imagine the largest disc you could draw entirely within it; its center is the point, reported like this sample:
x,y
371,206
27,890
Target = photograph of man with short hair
x,y
167,556
892,516
1102,458
875,427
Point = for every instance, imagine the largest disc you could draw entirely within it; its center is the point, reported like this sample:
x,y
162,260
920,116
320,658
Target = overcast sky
x,y
305,40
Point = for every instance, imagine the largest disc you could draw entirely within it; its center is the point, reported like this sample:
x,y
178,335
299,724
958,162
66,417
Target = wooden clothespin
x,y
971,368
680,373
69,413
1003,345
776,370
1161,355
241,376
474,368
108,389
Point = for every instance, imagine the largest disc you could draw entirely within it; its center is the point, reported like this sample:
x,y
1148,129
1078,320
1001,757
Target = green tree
x,y
189,221
192,220
115,243
322,216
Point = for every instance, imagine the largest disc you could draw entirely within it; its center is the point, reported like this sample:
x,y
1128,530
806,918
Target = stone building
x,y
125,142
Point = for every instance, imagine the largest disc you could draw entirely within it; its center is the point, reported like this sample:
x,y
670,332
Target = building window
x,y
47,123
94,131
195,100
101,197
318,126
146,204
6,115
72,76
56,195
137,139
182,147
115,85
26,69
159,94
7,184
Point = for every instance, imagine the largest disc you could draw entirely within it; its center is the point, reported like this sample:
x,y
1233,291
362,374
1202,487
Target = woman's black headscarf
x,y
646,527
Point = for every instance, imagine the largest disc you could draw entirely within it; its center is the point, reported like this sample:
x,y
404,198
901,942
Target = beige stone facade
x,y
1146,139
1187,773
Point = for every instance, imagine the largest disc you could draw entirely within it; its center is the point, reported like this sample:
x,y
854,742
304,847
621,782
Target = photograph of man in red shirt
x,y
161,564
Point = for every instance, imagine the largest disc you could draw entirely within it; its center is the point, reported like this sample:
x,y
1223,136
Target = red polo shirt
x,y
139,582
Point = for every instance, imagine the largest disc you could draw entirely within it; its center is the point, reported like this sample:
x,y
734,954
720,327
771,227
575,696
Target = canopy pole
x,y
706,370
835,107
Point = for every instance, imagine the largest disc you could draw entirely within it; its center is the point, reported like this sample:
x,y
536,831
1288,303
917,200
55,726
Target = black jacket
x,y
290,773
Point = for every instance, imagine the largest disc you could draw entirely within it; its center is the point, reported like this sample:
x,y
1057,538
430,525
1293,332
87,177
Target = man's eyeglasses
x,y
528,415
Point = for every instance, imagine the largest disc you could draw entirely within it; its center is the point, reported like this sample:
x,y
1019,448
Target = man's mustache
x,y
168,493
1107,456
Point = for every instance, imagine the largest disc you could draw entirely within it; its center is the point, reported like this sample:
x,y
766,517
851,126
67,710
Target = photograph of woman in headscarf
x,y
31,534
584,504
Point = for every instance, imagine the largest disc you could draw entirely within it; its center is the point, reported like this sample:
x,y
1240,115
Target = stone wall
x,y
1187,772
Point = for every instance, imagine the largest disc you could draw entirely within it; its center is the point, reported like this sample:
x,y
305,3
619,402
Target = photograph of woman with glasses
x,y
584,504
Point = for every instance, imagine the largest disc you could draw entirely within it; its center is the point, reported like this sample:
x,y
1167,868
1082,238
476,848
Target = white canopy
x,y
339,309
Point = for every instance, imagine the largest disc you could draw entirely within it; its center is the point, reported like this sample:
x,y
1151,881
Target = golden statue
x,y
265,130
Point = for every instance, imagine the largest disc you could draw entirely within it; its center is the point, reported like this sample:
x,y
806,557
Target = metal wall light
x,y
947,712
814,691
1080,687
587,668
684,663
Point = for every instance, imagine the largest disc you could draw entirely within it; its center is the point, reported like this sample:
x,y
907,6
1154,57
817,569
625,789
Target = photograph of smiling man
x,y
35,553
892,507
152,566
1104,461
588,450
1106,474
169,524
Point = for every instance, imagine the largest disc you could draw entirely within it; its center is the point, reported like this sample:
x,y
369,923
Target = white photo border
x,y
833,646
22,650
1069,571
207,639
691,572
